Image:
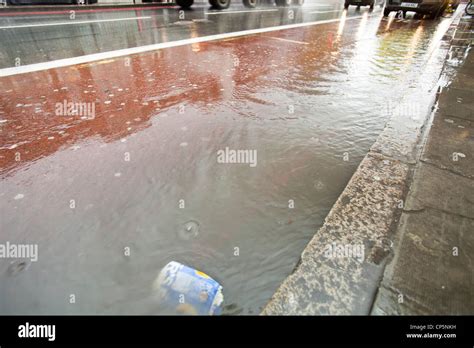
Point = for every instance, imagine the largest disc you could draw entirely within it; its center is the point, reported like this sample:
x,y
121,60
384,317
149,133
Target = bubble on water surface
x,y
189,230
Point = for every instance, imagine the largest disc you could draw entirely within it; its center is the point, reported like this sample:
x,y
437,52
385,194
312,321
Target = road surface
x,y
133,179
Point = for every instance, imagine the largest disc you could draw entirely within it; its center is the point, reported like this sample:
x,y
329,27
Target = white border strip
x,y
141,49
72,22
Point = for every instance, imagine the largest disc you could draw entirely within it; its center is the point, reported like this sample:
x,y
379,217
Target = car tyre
x,y
283,3
185,3
250,3
220,4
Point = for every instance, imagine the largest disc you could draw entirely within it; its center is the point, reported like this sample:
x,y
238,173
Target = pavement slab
x,y
441,190
431,273
450,145
464,81
457,102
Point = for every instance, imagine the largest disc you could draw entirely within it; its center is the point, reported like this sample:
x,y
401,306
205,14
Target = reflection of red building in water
x,y
128,91
125,94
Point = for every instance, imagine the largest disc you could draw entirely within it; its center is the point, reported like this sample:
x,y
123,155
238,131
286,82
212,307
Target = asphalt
x,y
25,9
236,74
36,37
171,109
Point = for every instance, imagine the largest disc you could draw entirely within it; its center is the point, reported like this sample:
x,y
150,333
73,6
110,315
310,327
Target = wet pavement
x,y
141,173
437,222
38,38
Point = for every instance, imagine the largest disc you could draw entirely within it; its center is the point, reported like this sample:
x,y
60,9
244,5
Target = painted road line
x,y
72,22
141,49
288,40
225,12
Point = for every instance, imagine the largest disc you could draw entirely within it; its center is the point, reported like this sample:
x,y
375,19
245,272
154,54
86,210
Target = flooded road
x,y
134,181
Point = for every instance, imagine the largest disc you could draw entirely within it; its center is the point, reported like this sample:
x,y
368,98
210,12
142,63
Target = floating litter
x,y
184,290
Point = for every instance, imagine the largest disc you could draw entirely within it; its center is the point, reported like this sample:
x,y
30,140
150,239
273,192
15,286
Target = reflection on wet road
x,y
34,39
143,165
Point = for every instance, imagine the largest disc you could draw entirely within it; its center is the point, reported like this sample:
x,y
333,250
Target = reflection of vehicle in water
x,y
432,8
358,3
455,4
223,4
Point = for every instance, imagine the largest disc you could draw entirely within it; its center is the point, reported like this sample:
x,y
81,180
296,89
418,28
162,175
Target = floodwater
x,y
142,173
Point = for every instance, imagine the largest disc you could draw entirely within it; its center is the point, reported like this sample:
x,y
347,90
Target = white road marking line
x,y
325,11
288,40
147,48
72,22
225,12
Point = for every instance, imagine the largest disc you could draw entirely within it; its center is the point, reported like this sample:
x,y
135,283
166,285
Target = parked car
x,y
432,8
359,3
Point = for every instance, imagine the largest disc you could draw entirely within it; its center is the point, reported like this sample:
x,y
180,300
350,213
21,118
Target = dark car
x,y
432,8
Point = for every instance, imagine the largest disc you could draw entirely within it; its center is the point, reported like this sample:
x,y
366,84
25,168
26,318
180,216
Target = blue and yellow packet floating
x,y
183,290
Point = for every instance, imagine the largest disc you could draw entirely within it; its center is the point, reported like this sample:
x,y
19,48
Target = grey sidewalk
x,y
432,271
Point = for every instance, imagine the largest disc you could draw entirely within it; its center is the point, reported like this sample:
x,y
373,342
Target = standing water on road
x,y
148,175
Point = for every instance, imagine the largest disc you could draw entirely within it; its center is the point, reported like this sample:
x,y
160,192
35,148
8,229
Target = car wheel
x,y
250,3
220,4
283,3
184,3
